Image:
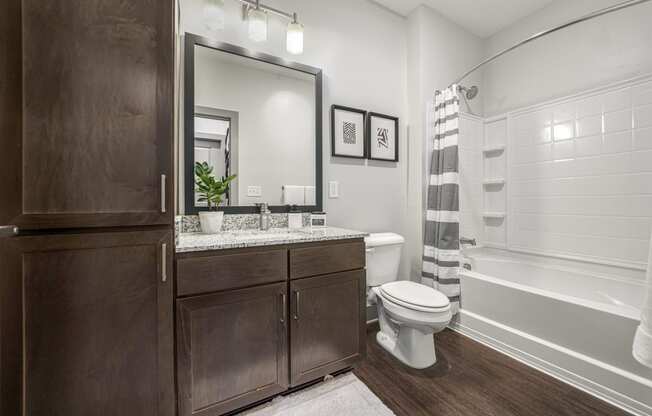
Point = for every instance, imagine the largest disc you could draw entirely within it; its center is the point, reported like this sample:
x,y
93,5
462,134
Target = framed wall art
x,y
382,137
348,132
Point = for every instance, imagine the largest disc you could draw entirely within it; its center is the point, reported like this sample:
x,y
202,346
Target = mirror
x,y
252,118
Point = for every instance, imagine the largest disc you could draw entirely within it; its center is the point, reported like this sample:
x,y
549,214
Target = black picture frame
x,y
192,40
371,115
334,108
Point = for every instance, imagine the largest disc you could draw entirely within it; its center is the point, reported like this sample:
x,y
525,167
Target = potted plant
x,y
210,190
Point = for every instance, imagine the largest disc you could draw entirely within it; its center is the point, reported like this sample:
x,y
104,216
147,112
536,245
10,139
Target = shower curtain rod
x,y
584,18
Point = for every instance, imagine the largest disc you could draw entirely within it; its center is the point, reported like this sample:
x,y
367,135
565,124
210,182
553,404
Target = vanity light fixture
x,y
295,36
257,23
256,15
214,14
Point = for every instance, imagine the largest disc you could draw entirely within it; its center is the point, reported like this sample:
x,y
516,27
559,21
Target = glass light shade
x,y
214,14
257,25
295,38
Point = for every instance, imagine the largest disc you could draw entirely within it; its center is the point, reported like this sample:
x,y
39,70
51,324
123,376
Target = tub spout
x,y
470,241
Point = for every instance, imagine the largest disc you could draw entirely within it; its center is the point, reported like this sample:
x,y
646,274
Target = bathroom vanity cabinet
x,y
254,322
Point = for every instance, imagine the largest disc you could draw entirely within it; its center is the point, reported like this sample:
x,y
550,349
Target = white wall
x,y
609,48
276,117
361,48
439,51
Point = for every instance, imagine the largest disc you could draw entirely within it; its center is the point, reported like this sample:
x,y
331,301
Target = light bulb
x,y
257,25
295,37
214,14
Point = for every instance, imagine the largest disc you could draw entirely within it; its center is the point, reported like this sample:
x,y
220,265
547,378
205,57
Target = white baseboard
x,y
581,372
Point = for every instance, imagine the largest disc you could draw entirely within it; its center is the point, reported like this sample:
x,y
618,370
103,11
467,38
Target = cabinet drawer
x,y
326,258
230,271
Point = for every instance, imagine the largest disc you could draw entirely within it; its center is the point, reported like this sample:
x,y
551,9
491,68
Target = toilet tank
x,y
383,254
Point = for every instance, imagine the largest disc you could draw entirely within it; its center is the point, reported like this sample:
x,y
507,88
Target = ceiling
x,y
480,17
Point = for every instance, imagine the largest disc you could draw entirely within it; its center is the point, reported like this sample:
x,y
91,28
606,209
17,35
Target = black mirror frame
x,y
192,40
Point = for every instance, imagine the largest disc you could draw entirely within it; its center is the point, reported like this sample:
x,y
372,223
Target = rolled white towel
x,y
642,348
293,194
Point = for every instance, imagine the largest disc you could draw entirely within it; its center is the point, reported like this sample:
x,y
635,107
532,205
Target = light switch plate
x,y
333,189
255,191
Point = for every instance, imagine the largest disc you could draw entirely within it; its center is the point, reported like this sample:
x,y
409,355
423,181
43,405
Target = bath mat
x,y
343,395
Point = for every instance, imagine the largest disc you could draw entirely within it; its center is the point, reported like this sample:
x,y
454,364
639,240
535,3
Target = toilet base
x,y
412,347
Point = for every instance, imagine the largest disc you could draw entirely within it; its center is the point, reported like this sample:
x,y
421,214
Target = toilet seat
x,y
414,296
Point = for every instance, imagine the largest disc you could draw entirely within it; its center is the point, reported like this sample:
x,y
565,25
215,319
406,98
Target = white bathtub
x,y
573,320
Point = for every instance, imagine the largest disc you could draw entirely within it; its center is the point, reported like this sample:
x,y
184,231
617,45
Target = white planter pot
x,y
211,221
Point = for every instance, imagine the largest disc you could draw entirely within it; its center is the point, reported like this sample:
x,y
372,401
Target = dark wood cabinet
x,y
87,324
327,330
313,260
232,349
86,139
229,269
260,332
86,106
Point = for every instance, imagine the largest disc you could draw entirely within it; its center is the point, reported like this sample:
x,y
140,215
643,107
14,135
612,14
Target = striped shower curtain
x,y
442,229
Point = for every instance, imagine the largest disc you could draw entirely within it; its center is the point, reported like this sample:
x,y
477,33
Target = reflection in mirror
x,y
212,146
256,120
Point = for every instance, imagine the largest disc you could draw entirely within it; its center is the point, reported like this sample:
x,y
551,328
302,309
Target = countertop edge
x,y
349,235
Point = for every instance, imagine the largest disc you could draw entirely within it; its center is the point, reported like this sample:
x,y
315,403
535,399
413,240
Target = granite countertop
x,y
189,242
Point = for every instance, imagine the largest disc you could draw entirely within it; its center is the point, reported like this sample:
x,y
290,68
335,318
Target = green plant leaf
x,y
208,188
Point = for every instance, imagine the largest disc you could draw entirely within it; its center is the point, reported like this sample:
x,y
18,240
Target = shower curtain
x,y
643,340
442,230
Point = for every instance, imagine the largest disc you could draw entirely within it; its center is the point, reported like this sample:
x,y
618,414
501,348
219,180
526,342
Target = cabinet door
x,y
232,349
87,325
328,324
86,113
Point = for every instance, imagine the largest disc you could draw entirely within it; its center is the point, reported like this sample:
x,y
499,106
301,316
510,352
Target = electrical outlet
x,y
255,191
333,189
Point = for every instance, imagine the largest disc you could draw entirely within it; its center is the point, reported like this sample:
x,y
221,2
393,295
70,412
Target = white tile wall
x,y
470,159
643,139
581,176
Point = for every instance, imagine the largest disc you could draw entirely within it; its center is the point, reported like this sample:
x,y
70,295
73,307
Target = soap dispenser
x,y
295,217
265,217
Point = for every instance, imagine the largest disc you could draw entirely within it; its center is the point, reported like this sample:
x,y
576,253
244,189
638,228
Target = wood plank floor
x,y
471,379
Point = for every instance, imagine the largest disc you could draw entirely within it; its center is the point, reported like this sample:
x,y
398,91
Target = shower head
x,y
472,92
469,93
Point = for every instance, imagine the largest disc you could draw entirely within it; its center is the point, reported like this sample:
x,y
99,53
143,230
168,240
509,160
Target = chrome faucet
x,y
465,240
265,213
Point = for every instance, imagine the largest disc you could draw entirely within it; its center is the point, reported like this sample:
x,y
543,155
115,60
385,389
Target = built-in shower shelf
x,y
493,214
493,149
493,181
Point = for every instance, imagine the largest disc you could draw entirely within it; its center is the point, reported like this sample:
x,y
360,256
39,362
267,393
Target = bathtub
x,y
570,319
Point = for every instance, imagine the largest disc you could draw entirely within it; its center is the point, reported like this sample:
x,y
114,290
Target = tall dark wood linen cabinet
x,y
86,135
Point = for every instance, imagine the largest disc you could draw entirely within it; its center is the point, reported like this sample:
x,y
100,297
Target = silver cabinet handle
x,y
164,253
296,305
283,308
163,193
8,230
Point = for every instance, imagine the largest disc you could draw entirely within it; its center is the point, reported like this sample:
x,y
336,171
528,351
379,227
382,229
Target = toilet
x,y
409,313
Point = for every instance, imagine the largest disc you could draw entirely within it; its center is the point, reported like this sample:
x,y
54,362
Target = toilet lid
x,y
415,294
